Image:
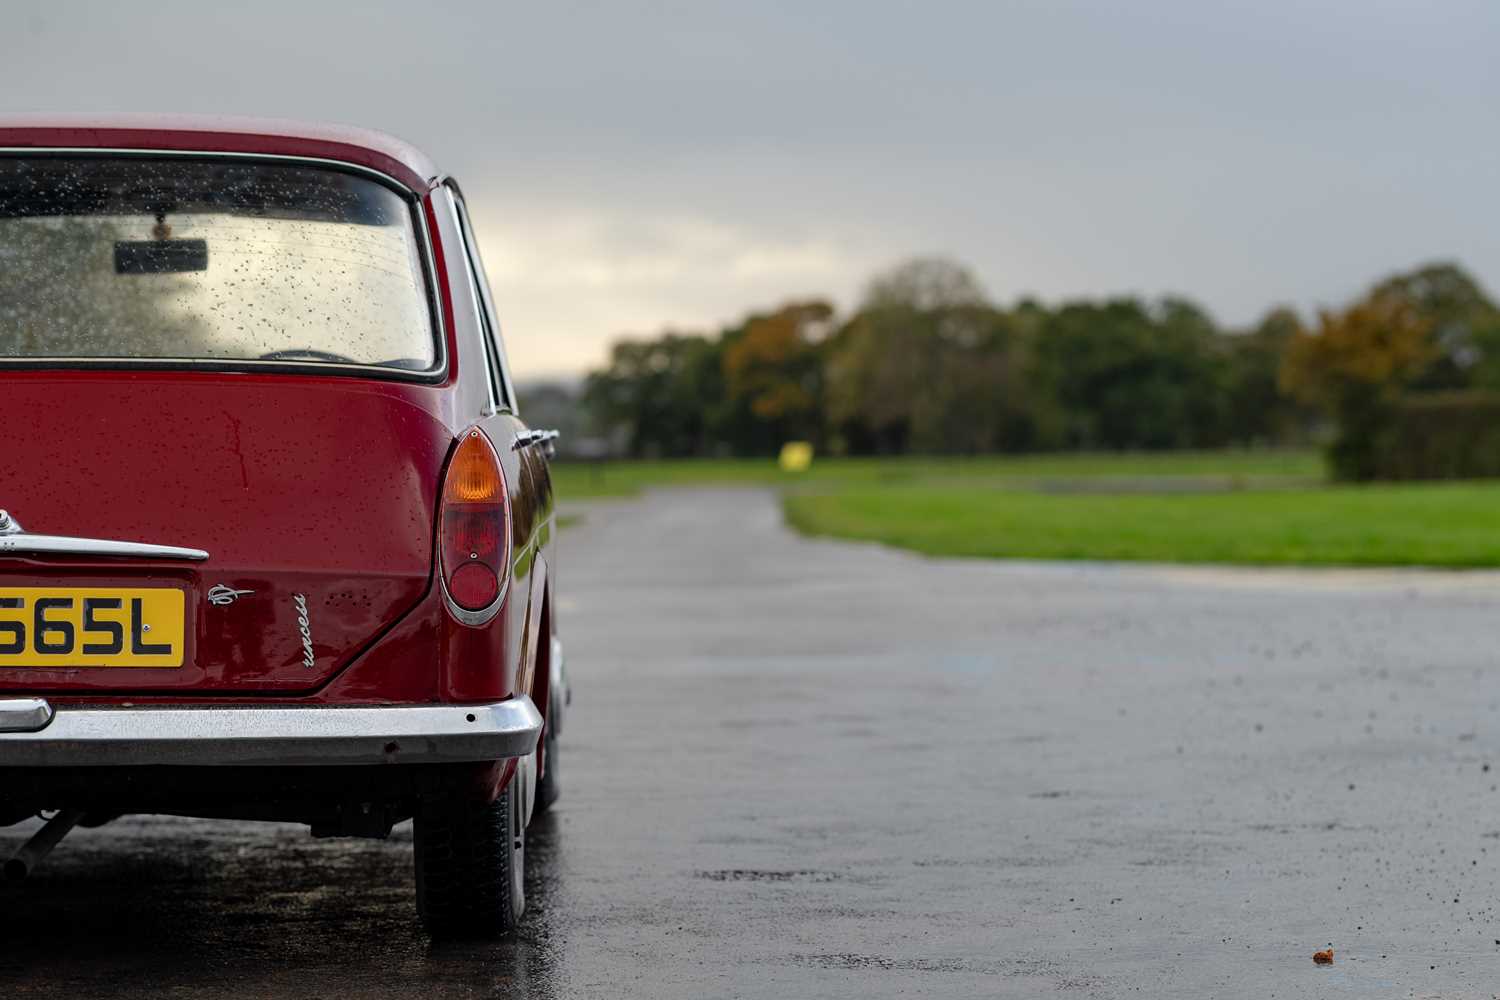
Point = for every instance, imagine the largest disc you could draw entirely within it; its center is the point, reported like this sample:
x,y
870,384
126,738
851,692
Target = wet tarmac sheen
x,y
810,769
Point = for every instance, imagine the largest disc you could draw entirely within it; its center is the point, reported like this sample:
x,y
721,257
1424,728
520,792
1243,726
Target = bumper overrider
x,y
35,733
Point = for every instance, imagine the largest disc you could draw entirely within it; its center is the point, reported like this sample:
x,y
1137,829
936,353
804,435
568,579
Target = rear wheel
x,y
470,864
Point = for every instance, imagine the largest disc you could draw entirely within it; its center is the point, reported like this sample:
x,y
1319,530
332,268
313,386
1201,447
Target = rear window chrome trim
x,y
436,374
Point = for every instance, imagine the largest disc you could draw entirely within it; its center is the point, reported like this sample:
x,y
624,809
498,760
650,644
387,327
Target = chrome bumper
x,y
34,733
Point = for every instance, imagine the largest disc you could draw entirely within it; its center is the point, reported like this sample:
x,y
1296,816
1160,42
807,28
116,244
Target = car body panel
x,y
295,482
323,489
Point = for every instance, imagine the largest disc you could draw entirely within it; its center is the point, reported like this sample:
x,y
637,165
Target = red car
x,y
276,542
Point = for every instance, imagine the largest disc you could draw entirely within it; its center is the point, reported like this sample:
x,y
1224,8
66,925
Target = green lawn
x,y
1259,508
1455,525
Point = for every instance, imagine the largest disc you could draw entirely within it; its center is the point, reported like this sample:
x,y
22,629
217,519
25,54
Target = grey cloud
x,y
1241,153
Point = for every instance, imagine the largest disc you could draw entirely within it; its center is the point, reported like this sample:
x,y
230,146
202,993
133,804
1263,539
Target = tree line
x,y
926,363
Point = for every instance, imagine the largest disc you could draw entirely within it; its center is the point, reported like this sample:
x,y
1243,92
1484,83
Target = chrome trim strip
x,y
24,715
525,439
64,545
88,736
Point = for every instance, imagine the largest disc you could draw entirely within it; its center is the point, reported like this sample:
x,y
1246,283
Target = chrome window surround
x,y
497,367
496,392
425,238
486,294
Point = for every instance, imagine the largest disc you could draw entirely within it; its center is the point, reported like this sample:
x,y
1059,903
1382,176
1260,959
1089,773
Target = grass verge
x,y
1447,525
1248,508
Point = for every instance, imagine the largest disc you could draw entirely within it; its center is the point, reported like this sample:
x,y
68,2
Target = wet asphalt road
x,y
811,769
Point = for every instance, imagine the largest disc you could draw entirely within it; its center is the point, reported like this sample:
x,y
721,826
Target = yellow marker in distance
x,y
796,456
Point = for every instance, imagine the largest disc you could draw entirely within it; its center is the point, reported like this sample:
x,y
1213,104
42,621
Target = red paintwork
x,y
294,483
320,486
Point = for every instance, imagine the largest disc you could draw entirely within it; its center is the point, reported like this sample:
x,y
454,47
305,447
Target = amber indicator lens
x,y
474,476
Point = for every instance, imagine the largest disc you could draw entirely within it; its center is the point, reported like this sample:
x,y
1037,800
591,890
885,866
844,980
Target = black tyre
x,y
470,865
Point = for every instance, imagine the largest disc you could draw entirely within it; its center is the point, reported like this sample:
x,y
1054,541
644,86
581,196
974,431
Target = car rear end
x,y
230,431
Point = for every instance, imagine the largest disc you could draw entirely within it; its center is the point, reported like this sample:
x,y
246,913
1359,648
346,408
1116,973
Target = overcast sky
x,y
635,166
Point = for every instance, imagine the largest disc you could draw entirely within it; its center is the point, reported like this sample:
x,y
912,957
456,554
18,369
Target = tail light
x,y
474,536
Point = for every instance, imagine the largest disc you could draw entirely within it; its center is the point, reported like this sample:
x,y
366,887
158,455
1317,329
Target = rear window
x,y
155,259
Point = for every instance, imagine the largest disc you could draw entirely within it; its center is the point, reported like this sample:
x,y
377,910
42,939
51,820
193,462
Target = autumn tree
x,y
1356,365
773,376
1461,315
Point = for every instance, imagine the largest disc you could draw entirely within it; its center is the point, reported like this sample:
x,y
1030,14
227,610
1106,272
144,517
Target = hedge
x,y
1440,435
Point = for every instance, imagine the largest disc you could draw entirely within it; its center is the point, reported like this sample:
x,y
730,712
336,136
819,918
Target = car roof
x,y
222,134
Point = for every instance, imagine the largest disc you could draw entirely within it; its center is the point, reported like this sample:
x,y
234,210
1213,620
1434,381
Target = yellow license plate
x,y
49,627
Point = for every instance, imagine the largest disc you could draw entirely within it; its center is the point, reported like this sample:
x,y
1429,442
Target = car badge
x,y
304,630
220,595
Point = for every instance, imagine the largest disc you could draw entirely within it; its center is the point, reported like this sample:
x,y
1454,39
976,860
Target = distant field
x,y
1253,508
1211,470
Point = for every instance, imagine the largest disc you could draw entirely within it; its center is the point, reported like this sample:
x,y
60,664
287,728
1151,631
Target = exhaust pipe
x,y
35,850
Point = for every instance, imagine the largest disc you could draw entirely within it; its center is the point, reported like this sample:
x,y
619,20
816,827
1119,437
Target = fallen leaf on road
x,y
1324,957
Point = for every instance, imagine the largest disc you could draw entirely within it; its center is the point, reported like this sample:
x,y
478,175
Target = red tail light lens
x,y
474,537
